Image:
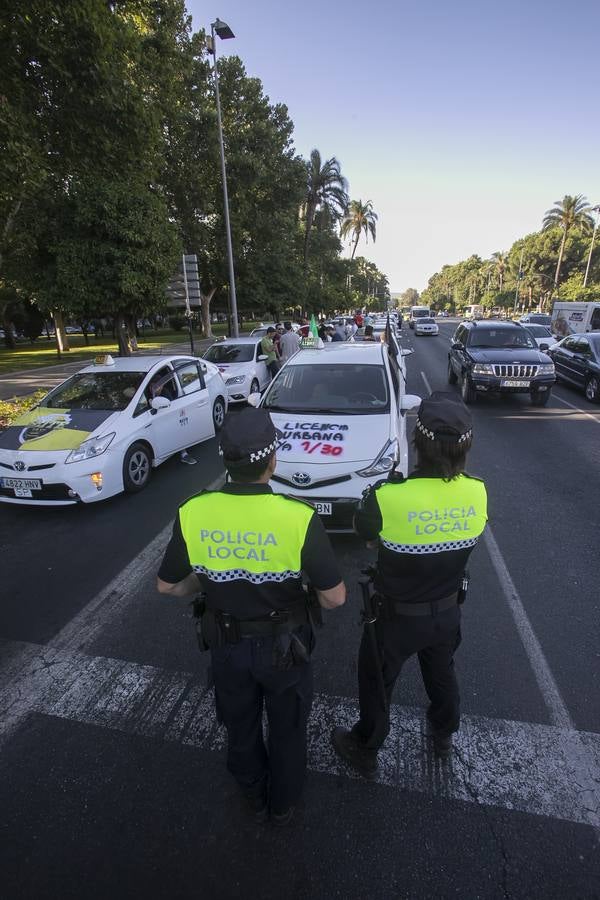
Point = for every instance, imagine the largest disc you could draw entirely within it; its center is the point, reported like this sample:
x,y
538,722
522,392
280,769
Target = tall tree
x,y
360,219
570,212
326,188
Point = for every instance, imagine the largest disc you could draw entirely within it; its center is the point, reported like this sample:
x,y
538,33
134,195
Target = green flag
x,y
313,326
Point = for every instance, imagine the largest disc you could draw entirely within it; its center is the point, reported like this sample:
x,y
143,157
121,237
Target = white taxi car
x,y
426,325
104,429
242,364
341,425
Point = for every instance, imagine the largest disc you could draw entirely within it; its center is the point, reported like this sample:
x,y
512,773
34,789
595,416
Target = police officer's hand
x,y
335,596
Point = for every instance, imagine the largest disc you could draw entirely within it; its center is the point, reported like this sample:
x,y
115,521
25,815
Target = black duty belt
x,y
430,608
279,622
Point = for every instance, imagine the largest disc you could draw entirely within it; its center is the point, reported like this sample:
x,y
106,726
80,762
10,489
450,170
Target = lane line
x,y
538,769
576,408
556,706
110,604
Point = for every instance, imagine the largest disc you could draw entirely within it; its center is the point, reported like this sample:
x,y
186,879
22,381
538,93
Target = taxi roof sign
x,y
104,359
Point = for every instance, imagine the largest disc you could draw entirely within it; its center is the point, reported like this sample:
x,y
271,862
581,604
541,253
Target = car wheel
x,y
592,389
255,386
218,413
540,398
452,376
137,467
467,391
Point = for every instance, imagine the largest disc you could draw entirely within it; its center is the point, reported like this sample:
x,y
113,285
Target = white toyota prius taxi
x,y
104,429
341,425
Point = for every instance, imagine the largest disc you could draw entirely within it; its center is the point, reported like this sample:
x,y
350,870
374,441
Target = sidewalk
x,y
20,384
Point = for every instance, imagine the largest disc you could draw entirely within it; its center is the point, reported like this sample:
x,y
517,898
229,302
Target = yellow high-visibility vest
x,y
256,537
429,515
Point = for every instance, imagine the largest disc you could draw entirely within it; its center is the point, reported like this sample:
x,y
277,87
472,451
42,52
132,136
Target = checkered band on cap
x,y
255,455
432,435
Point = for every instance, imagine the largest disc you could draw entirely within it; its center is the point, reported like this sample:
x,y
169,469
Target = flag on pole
x,y
313,327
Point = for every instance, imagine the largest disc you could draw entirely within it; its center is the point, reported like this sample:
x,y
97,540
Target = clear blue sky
x,y
462,121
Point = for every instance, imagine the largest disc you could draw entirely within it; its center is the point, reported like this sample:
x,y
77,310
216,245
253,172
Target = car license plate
x,y
21,484
324,509
524,382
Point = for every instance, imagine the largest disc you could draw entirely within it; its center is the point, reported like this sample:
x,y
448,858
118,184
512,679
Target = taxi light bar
x,y
104,359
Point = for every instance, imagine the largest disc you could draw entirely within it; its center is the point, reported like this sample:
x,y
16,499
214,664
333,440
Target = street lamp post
x,y
595,209
225,33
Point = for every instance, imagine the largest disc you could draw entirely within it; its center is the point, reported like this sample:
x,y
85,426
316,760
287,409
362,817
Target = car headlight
x,y
90,449
383,462
237,379
546,369
482,369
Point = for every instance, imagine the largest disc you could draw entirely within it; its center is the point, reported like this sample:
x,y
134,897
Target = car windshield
x,y
330,388
539,330
505,338
96,390
420,313
230,353
426,322
540,319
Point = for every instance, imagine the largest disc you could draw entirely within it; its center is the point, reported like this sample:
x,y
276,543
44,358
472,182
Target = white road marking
x,y
109,604
539,769
576,408
426,380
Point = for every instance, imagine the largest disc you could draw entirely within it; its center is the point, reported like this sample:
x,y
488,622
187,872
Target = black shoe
x,y
362,758
442,743
284,818
256,803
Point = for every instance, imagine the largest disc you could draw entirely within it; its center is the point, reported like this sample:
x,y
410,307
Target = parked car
x,y
341,425
104,429
577,361
500,358
242,365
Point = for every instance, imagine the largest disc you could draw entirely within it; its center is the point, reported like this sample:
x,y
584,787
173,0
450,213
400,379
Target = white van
x,y
574,318
418,312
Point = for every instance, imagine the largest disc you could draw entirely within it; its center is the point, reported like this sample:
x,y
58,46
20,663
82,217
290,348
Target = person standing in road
x,y
246,549
340,333
290,342
426,526
268,348
369,336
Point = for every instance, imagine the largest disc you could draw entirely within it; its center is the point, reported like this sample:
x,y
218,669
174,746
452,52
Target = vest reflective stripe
x,y
429,515
255,537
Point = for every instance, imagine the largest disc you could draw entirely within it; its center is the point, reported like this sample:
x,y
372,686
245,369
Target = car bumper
x,y
65,484
238,393
491,384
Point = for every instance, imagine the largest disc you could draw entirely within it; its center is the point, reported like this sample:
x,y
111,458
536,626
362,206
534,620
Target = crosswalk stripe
x,y
545,770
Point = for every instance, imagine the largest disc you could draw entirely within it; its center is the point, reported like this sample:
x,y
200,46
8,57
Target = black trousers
x,y
434,639
245,682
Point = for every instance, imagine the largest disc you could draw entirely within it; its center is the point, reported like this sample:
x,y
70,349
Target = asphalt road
x,y
112,780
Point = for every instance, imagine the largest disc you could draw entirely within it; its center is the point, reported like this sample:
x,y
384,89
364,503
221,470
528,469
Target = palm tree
x,y
570,212
500,261
326,188
359,219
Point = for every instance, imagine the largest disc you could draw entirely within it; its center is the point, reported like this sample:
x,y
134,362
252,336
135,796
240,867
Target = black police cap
x,y
444,416
248,436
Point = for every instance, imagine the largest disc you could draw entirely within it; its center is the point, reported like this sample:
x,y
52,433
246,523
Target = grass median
x,y
43,352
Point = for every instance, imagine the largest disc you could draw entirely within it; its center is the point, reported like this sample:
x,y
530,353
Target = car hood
x,y
313,438
47,429
228,370
503,356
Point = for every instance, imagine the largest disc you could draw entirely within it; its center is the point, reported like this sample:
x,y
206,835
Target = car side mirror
x,y
456,345
203,367
544,346
253,399
160,403
406,352
409,401
262,357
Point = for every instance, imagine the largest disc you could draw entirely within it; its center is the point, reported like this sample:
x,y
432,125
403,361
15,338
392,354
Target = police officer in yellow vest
x,y
426,527
246,548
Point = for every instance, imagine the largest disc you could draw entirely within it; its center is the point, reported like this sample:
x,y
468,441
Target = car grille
x,y
314,484
27,468
515,371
